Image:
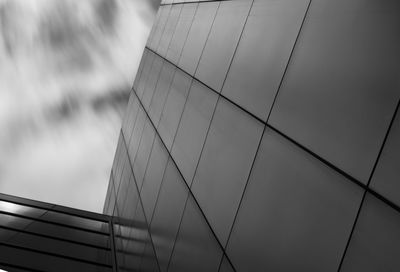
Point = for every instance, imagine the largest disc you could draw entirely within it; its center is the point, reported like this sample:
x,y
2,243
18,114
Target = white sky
x,y
65,69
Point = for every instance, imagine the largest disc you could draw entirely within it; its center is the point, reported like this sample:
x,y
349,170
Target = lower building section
x,y
42,237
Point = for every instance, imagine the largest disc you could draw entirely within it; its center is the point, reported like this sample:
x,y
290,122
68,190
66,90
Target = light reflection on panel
x,y
75,221
68,233
9,207
13,222
43,236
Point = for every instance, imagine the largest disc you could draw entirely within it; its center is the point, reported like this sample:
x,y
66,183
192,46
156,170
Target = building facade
x,y
262,135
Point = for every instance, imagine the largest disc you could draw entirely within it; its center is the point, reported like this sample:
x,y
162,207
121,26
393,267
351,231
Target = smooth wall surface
x,y
261,135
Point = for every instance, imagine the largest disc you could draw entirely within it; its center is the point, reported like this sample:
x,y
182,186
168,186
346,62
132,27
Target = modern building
x,y
263,135
260,135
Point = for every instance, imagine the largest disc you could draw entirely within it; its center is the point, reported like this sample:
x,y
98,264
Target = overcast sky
x,y
66,68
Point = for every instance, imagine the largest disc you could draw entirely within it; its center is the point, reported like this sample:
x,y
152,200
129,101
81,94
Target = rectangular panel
x,y
120,169
158,32
375,243
155,26
125,173
111,204
296,213
197,36
386,176
152,82
127,116
341,87
222,42
193,129
145,73
136,134
141,65
262,54
138,238
168,213
119,247
133,113
181,32
124,186
143,154
225,164
108,195
130,204
196,247
161,92
226,266
149,260
116,164
117,152
169,29
174,107
154,174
